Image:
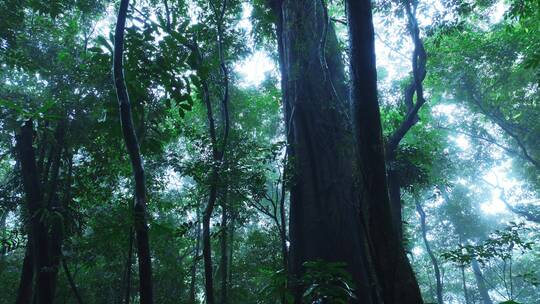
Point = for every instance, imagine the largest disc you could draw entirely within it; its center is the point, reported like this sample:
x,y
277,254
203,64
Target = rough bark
x,y
35,205
132,145
432,257
323,221
482,289
395,275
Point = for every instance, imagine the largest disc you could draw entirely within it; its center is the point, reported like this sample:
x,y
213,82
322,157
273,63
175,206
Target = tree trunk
x,y
24,294
394,272
132,145
224,252
323,221
207,247
432,256
129,263
464,282
35,205
71,282
394,191
230,256
195,261
283,230
482,289
419,61
56,234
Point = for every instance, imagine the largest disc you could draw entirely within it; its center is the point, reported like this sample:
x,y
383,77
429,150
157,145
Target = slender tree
x,y
218,150
432,256
132,145
414,88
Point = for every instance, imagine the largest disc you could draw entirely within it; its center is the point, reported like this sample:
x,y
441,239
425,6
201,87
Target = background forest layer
x,y
235,151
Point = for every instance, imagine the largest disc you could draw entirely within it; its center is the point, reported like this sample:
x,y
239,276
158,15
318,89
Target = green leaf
x,y
12,105
100,40
185,106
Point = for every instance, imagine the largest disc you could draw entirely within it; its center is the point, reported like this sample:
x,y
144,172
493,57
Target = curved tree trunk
x,y
132,145
394,272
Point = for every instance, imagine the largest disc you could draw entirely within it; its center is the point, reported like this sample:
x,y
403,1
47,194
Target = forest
x,y
270,151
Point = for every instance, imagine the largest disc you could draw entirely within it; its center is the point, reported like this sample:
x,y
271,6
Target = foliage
x,y
501,244
480,120
327,281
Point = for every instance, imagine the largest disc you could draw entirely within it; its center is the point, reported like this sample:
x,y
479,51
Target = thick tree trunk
x,y
35,204
394,272
323,221
132,145
482,289
432,256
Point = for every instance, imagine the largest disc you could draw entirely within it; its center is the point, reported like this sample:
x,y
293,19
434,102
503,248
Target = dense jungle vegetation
x,y
270,151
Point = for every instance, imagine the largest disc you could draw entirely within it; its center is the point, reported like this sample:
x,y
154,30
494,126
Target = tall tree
x,y
323,221
396,278
218,145
43,275
132,145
